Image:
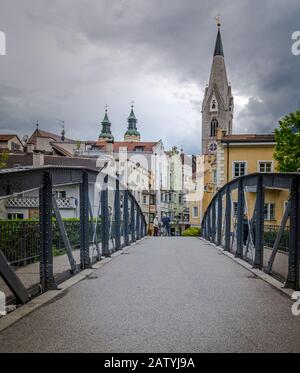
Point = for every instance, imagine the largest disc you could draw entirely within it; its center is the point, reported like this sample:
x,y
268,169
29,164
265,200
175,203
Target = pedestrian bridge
x,y
163,295
126,292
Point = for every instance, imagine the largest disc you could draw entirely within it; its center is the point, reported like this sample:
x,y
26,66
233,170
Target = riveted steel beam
x,y
294,245
46,256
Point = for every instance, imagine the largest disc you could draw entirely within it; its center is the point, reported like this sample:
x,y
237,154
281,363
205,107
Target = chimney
x,y
29,147
38,159
110,148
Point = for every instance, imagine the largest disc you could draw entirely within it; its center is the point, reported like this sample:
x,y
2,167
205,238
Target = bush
x,y
192,232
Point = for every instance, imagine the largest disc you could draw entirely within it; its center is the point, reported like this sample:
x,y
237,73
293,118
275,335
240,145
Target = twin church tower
x,y
218,105
131,135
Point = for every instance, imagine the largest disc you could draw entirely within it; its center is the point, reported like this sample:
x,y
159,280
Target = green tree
x,y
3,159
287,151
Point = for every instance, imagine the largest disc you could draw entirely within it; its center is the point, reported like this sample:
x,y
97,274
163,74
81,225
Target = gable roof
x,y
47,135
5,137
61,150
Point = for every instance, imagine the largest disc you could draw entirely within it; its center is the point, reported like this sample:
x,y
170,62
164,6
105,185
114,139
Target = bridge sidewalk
x,y
163,295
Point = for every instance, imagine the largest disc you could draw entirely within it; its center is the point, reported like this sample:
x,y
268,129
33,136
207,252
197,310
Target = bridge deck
x,y
165,295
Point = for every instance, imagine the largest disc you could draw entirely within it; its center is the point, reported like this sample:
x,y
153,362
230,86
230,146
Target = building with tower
x,y
106,135
218,105
132,134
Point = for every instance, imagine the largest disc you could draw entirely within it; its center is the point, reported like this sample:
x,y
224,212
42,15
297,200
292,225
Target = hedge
x,y
192,232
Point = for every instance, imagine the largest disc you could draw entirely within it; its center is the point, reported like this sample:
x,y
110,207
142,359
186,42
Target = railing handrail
x,y
233,184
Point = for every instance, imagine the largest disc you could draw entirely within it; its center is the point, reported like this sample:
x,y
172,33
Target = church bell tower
x,y
218,105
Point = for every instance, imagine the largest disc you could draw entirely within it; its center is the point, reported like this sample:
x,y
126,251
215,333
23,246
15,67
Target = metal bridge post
x,y
259,224
219,221
214,229
105,219
46,256
117,216
294,249
132,212
228,219
240,221
209,224
138,228
126,218
84,222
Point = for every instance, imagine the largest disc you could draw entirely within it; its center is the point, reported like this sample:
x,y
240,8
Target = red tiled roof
x,y
131,146
249,138
7,137
45,134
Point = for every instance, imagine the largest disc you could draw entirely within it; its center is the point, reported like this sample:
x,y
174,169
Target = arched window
x,y
214,104
213,127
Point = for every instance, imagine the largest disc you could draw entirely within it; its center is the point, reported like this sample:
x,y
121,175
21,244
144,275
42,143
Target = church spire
x,y
132,134
218,106
106,134
219,45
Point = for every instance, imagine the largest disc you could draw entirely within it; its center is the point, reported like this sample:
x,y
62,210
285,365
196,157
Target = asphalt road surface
x,y
165,295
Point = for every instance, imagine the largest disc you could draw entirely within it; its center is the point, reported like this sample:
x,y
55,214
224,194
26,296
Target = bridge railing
x,y
247,236
118,222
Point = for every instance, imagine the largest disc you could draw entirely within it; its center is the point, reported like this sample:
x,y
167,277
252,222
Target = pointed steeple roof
x,y
219,45
132,134
106,119
132,115
218,81
106,134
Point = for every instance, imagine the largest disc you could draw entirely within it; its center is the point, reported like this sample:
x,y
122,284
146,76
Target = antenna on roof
x,y
61,124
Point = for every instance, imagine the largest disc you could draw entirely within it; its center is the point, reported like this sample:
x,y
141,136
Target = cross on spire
x,y
218,19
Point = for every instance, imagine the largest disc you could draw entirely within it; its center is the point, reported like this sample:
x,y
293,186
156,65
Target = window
x,y
269,211
144,200
60,194
265,166
152,200
139,148
235,209
195,212
15,216
239,169
214,104
15,146
213,128
180,199
214,176
152,218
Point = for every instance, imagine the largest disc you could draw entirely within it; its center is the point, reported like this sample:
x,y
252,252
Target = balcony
x,y
33,203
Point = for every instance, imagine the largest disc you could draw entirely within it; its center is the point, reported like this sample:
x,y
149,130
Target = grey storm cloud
x,y
67,59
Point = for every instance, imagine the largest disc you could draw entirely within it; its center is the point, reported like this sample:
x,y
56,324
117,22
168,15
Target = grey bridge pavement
x,y
163,295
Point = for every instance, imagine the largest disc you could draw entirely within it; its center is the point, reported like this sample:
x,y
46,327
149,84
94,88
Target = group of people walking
x,y
162,228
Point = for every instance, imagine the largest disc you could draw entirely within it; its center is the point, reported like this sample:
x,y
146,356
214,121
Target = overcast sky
x,y
66,59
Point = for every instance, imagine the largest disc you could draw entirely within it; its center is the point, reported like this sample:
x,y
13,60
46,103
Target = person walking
x,y
156,226
166,225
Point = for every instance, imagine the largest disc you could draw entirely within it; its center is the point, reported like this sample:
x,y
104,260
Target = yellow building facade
x,y
239,155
